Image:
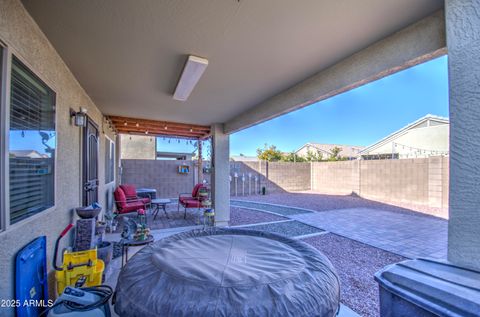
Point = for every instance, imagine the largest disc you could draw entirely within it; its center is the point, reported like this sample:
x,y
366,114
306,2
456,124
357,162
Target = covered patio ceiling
x,y
128,55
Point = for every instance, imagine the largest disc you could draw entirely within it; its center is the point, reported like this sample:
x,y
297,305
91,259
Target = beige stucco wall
x,y
435,138
26,41
137,147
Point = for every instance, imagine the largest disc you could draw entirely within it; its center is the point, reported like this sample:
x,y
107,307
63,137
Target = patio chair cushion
x,y
120,198
196,189
129,190
123,205
184,199
132,206
191,203
131,193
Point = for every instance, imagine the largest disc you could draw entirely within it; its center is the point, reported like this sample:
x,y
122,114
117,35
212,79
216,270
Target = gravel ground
x,y
288,228
240,216
286,211
321,202
356,264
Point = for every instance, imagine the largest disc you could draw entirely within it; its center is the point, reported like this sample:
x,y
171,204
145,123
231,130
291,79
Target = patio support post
x,y
463,43
220,175
200,162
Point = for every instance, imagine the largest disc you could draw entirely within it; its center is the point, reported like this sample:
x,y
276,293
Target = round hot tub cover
x,y
228,272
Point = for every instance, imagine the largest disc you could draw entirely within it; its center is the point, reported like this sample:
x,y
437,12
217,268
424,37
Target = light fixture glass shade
x,y
80,119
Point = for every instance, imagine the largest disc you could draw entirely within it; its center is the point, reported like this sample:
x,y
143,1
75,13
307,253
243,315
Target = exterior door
x,y
90,163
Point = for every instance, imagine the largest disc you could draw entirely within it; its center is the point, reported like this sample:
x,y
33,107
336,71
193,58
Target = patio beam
x,y
463,23
413,45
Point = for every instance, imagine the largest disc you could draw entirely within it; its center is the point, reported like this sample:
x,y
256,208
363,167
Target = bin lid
x,y
437,286
31,277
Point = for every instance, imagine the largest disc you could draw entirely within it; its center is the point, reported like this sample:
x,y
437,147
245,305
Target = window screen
x,y
109,161
31,144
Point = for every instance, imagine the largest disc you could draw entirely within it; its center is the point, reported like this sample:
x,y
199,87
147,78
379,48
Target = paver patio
x,y
399,230
404,234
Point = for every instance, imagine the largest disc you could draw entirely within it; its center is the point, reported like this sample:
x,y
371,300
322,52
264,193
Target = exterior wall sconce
x,y
80,118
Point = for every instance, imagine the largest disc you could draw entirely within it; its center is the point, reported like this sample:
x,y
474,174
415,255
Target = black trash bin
x,y
428,288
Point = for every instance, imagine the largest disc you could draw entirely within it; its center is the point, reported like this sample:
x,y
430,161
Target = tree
x,y
269,153
336,154
292,157
316,156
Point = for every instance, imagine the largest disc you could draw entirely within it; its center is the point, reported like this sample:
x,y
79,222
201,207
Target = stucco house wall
x,y
304,151
26,41
137,147
433,138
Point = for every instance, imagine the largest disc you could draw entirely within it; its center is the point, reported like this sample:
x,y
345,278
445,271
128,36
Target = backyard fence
x,y
419,182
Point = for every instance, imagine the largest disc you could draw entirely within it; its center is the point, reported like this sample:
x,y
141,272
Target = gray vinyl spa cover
x,y
228,272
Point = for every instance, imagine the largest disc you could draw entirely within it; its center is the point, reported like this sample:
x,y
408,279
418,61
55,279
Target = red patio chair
x,y
125,205
131,193
193,200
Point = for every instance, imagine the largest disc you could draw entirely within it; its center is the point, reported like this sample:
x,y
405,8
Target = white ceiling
x,y
128,54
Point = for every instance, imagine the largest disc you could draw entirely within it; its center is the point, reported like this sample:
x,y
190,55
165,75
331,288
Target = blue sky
x,y
358,117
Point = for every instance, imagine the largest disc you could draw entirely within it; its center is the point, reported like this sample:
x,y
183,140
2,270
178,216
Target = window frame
x,y
6,55
5,69
111,144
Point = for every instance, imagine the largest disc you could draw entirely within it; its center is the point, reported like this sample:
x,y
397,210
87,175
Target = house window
x,y
109,161
32,142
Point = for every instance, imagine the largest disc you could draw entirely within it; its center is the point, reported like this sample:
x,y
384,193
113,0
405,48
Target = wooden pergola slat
x,y
128,125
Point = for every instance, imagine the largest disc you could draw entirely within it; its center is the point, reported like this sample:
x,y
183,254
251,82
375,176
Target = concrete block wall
x,y
435,172
160,174
421,181
404,181
341,178
274,176
287,176
256,168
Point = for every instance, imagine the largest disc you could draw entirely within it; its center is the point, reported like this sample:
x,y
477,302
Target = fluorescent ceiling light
x,y
192,71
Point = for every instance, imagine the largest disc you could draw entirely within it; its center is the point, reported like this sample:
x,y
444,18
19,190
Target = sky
x,y
360,116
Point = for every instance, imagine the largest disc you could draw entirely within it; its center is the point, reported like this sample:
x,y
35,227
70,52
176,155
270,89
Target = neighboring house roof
x,y
240,158
28,153
416,124
347,150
